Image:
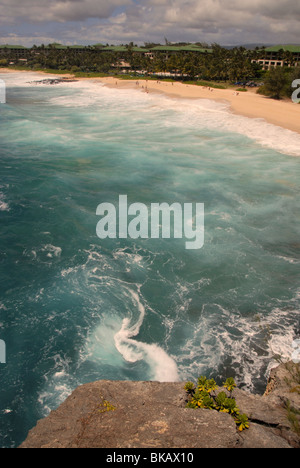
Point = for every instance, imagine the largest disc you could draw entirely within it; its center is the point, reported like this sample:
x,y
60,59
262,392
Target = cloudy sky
x,y
227,22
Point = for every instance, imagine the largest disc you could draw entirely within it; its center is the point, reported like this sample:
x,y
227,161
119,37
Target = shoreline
x,y
284,114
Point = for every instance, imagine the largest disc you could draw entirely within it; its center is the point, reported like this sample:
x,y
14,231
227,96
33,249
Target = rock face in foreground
x,y
111,414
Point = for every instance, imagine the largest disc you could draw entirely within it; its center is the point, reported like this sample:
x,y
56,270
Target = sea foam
x,y
164,368
3,205
138,309
198,113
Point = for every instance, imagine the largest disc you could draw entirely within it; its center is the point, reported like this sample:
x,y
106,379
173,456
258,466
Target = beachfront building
x,y
279,56
151,51
168,50
59,47
16,50
132,58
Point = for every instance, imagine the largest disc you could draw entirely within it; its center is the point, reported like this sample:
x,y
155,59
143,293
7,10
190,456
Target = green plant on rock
x,y
212,386
204,396
106,406
225,404
198,398
202,383
231,407
189,387
230,385
207,385
192,404
208,402
242,422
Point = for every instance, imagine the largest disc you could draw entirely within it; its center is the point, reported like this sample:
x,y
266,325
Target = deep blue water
x,y
74,308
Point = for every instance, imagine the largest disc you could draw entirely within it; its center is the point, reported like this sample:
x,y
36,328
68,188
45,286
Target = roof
x,y
187,48
76,47
286,48
7,46
115,48
160,48
56,46
121,48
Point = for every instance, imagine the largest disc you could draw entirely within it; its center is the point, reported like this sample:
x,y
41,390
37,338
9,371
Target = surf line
x,y
137,221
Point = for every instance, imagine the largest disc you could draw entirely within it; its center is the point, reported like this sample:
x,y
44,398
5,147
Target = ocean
x,y
75,308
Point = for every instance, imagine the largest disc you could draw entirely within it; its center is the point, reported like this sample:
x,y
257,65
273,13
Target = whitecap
x,y
3,205
52,250
163,366
250,346
198,113
115,341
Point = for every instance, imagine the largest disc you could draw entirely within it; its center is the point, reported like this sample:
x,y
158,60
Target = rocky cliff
x,y
111,414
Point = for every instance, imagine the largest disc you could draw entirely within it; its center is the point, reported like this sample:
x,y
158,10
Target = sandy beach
x,y
284,113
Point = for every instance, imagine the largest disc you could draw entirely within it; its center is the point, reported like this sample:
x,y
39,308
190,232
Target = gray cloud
x,y
223,21
58,10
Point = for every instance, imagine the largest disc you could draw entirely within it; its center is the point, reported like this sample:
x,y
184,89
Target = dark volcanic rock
x,y
153,415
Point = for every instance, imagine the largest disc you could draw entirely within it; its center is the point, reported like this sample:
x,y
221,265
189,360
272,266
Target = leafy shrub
x,y
230,385
189,387
242,421
204,396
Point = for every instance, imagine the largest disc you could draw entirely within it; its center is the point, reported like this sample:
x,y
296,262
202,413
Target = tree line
x,y
215,64
278,82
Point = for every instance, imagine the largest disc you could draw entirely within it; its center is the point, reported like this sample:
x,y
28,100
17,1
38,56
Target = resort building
x,y
279,56
168,50
17,50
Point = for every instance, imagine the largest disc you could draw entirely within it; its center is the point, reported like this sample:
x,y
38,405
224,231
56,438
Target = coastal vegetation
x,y
271,70
205,396
181,61
278,81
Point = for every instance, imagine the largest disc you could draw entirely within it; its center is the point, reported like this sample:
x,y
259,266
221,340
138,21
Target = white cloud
x,y
222,21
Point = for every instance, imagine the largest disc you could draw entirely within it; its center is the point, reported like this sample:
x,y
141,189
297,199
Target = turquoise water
x,y
74,308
